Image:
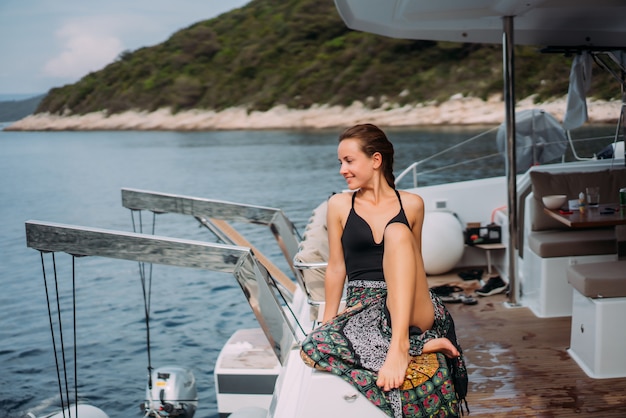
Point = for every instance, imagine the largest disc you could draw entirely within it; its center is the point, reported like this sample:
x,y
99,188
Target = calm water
x,y
76,177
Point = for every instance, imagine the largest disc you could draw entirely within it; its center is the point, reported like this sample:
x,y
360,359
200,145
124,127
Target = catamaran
x,y
553,345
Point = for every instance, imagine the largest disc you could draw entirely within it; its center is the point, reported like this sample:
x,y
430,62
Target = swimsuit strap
x,y
399,200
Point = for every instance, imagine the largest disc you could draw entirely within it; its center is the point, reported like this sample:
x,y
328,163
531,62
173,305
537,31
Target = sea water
x,y
76,177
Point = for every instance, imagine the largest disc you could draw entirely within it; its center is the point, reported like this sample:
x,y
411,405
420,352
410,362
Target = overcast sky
x,y
49,43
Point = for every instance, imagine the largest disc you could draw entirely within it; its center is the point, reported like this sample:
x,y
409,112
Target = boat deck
x,y
518,364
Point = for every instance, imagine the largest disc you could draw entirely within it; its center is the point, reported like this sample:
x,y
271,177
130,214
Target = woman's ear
x,y
377,159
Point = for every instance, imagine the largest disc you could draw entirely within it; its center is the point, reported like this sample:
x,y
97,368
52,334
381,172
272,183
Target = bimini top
x,y
556,23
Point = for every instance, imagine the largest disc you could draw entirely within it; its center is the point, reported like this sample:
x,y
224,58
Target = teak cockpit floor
x,y
518,364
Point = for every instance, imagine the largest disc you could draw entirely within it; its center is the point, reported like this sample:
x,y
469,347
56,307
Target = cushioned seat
x,y
598,336
573,242
553,246
311,260
310,264
599,280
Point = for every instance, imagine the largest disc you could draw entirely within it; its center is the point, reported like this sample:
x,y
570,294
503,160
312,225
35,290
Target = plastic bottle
x,y
581,203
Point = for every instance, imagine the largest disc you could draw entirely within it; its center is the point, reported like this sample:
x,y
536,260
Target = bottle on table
x,y
581,203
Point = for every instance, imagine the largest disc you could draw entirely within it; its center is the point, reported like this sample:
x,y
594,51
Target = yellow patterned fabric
x,y
421,368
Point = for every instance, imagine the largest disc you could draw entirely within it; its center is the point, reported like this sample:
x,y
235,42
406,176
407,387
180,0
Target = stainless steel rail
x,y
205,209
255,281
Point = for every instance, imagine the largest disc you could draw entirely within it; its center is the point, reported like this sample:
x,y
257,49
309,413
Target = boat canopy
x,y
560,25
563,23
539,138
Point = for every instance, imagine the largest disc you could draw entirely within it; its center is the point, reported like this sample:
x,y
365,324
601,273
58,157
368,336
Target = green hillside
x,y
11,110
299,53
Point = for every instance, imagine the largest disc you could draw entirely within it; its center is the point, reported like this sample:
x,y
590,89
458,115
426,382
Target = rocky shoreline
x,y
456,111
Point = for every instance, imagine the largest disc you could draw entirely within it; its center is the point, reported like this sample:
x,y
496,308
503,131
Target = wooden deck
x,y
518,364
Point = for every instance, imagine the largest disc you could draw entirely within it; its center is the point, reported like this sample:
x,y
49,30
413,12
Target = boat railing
x,y
257,284
214,215
413,169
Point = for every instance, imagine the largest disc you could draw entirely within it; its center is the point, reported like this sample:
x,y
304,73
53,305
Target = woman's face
x,y
356,166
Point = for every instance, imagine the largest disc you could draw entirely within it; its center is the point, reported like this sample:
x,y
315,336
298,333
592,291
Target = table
x,y
592,217
597,217
488,248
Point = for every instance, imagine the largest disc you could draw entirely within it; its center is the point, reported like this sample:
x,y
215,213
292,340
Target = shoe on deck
x,y
493,286
474,274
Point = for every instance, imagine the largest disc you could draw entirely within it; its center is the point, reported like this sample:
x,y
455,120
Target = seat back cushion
x,y
571,184
314,249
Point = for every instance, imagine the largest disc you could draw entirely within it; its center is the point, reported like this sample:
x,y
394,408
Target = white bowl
x,y
554,201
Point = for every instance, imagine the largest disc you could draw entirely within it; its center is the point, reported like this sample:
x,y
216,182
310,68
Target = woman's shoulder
x,y
411,199
340,202
413,205
341,198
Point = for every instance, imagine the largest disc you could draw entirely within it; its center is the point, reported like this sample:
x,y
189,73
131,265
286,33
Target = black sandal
x,y
462,298
467,300
445,290
450,299
475,274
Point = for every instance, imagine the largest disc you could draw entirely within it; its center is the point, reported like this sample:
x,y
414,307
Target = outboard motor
x,y
171,392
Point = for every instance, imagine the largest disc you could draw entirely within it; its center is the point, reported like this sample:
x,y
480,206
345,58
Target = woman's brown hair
x,y
374,140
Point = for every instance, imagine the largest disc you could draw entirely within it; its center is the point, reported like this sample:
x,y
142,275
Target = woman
x,y
392,319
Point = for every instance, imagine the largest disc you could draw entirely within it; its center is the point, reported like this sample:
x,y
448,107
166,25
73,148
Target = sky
x,y
50,43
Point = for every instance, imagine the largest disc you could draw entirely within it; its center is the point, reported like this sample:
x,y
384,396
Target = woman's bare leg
x,y
408,301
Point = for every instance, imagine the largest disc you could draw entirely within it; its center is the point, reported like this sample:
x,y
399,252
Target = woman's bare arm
x,y
336,270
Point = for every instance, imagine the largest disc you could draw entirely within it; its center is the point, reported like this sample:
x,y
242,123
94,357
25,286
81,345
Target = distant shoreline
x,y
456,111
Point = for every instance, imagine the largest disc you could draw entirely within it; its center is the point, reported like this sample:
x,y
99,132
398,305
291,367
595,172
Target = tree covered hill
x,y
11,110
299,53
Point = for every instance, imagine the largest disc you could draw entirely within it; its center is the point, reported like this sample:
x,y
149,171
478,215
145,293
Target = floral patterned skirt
x,y
354,345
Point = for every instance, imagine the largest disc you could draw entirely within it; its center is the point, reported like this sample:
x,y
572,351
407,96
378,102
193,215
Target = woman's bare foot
x,y
441,345
391,374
